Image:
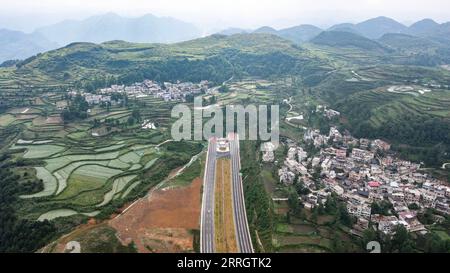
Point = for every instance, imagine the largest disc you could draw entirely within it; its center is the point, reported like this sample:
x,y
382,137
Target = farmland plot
x,y
130,157
7,119
87,178
64,213
39,151
118,186
130,188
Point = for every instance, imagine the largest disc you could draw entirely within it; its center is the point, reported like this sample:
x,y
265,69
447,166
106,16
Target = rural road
x,y
216,88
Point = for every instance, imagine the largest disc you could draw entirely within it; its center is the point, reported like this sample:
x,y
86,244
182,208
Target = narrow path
x,y
214,89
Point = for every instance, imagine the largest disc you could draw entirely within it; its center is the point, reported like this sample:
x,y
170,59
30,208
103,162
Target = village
x,y
179,91
361,172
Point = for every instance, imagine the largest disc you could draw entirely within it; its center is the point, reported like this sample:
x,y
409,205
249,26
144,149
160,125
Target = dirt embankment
x,y
162,222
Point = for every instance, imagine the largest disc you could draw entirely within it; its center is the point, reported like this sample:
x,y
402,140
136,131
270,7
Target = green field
x,y
117,187
90,178
87,178
85,175
6,119
387,107
41,151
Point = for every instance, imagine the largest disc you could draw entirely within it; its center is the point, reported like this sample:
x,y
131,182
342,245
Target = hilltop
x,y
347,39
215,57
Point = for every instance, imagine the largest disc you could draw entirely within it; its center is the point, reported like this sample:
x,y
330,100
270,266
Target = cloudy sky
x,y
211,14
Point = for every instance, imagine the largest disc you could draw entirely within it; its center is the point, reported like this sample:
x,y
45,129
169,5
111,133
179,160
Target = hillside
x,y
215,58
347,39
233,30
299,34
418,120
372,28
409,43
266,30
377,27
441,33
423,27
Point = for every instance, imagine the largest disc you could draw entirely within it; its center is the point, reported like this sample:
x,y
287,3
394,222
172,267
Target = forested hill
x,y
215,58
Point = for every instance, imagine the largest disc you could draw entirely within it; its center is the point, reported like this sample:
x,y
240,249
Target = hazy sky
x,y
217,14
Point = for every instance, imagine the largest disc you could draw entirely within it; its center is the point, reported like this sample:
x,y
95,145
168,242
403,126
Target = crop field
x,y
86,178
309,235
90,178
250,91
117,187
84,175
388,106
6,119
42,151
63,213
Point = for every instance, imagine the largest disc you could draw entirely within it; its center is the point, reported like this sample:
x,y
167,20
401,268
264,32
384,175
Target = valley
x,y
82,168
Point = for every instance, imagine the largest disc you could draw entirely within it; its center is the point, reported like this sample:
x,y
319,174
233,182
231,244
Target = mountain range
x,y
296,34
426,42
18,45
151,29
96,29
108,27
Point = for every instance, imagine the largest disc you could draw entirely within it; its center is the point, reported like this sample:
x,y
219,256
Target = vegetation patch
x,y
49,181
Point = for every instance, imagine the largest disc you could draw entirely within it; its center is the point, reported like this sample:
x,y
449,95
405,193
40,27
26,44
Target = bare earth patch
x,y
162,222
53,120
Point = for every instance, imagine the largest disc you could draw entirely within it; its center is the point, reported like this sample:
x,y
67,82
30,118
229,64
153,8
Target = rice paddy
x,y
51,215
82,174
86,176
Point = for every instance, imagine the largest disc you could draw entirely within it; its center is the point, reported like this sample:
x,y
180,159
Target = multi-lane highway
x,y
207,216
207,234
240,215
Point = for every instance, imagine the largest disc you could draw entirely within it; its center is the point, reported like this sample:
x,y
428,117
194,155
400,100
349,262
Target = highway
x,y
240,215
207,234
207,213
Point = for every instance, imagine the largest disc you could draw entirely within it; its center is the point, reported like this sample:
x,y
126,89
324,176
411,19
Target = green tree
x,y
293,202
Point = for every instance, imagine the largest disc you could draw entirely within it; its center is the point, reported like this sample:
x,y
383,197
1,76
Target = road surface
x,y
240,214
207,216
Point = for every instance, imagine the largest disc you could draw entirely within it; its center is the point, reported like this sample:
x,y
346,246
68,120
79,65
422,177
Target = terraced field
x,y
308,235
382,106
82,181
68,176
84,174
250,90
